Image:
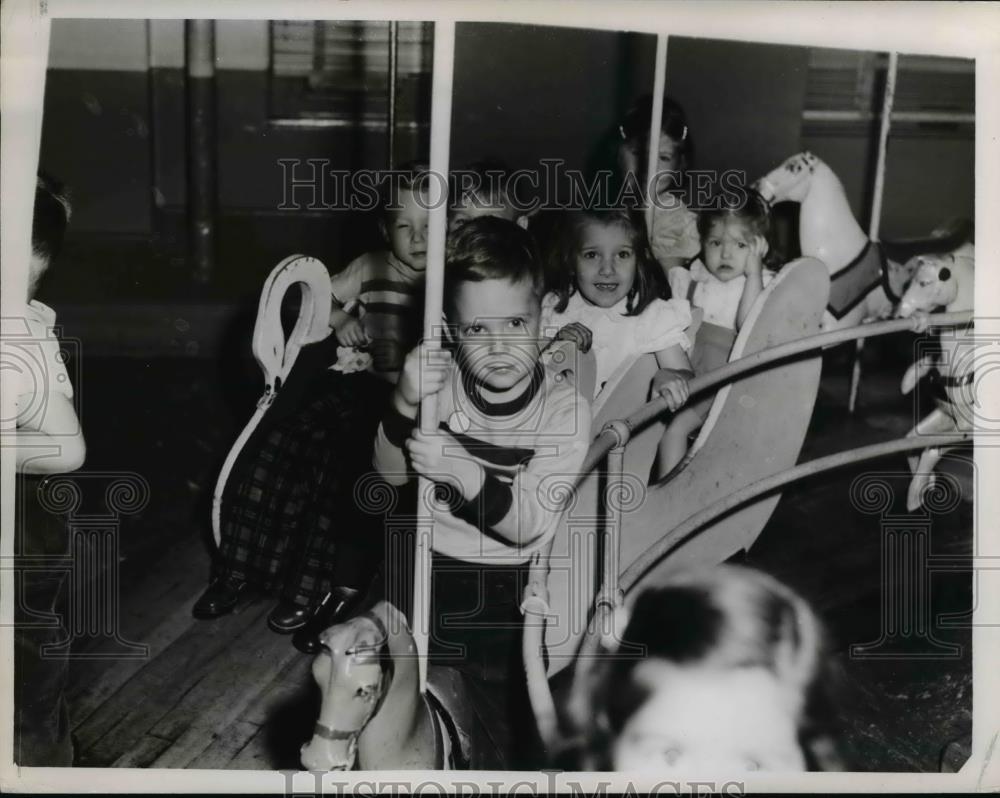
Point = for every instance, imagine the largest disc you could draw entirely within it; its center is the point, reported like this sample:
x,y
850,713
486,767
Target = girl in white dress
x,y
607,294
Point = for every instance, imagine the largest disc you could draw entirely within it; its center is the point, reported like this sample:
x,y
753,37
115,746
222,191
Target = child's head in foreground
x,y
728,228
48,227
482,189
493,292
731,662
405,211
675,149
603,255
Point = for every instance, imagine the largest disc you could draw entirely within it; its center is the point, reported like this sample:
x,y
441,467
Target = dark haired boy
x,y
510,430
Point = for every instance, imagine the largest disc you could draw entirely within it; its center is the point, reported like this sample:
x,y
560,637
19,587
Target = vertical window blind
x,y
339,70
844,91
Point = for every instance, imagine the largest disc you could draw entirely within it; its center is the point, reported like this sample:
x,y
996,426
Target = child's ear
x,y
383,230
522,221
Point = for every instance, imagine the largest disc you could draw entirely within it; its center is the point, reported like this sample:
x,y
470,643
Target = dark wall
x,y
743,101
96,135
527,92
522,93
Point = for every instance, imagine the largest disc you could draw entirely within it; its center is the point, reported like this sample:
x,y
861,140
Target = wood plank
x,y
287,687
238,676
155,612
159,686
142,754
110,675
226,746
271,709
255,755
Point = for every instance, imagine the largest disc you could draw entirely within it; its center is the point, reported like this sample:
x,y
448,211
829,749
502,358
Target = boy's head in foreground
x,y
493,293
731,660
405,212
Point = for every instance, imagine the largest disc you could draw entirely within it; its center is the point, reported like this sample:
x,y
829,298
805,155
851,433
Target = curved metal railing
x,y
615,436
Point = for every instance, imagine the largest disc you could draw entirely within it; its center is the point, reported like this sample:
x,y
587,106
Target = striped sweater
x,y
389,295
530,449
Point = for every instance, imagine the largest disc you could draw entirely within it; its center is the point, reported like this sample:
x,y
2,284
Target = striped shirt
x,y
530,449
389,295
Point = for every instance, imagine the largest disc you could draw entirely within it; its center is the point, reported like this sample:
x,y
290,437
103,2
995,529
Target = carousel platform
x,y
231,694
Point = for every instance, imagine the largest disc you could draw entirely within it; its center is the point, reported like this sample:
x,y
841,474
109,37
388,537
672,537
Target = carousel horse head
x,y
791,180
939,280
354,671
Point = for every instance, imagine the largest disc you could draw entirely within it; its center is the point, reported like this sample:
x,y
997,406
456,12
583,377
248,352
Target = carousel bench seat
x,y
755,428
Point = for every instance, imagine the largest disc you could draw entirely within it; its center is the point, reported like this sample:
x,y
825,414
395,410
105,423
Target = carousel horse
x,y
373,715
865,283
946,281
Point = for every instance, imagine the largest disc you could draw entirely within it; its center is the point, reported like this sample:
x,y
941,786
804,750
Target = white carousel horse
x,y
373,715
372,712
864,284
755,428
946,281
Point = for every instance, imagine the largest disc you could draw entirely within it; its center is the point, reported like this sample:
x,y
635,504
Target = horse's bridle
x,y
387,667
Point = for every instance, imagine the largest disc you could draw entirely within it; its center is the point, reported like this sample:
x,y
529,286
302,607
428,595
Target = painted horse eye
x,y
944,274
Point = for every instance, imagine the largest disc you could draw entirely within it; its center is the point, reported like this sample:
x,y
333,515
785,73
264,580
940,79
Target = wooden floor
x,y
210,694
231,694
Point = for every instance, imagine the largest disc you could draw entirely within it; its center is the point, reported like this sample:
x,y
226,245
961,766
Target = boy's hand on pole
x,y
438,457
425,371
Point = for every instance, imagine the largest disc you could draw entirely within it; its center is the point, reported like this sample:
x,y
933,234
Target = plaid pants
x,y
290,524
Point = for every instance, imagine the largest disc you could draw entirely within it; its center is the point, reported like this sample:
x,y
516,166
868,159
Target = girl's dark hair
x,y
51,217
491,248
726,618
749,207
561,265
633,130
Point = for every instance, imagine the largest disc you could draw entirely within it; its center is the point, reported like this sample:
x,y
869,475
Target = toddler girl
x,y
724,283
716,672
607,294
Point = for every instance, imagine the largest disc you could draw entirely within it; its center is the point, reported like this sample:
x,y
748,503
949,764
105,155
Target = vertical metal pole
x,y
613,498
200,35
444,65
876,218
391,116
655,121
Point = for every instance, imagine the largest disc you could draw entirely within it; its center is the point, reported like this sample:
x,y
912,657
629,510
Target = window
x,y
844,91
337,72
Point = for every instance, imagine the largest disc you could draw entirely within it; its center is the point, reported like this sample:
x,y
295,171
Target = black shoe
x,y
221,598
286,617
336,607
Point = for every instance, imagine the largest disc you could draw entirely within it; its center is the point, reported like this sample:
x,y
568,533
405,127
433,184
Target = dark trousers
x,y
293,520
41,718
476,628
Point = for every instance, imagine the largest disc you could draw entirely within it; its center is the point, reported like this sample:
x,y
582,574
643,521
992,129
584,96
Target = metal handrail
x,y
610,436
615,436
